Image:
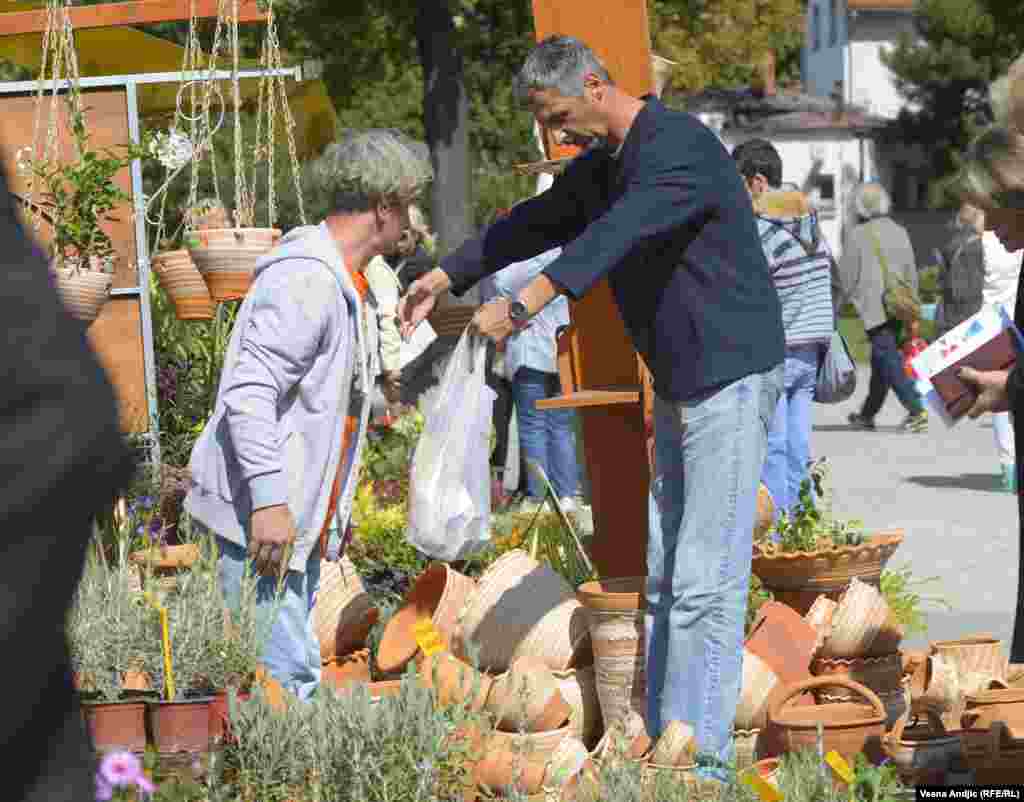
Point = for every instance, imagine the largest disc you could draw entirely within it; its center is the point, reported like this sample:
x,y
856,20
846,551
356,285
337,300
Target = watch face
x,y
517,310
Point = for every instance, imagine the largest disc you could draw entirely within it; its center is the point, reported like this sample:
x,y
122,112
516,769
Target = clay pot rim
x,y
594,596
276,231
878,541
849,661
782,715
87,703
398,643
995,696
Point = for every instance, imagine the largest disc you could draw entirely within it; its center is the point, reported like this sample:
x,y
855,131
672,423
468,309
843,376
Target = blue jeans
x,y
291,654
887,371
789,438
545,436
709,452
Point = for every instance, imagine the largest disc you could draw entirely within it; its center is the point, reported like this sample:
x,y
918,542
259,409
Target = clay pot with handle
x,y
849,727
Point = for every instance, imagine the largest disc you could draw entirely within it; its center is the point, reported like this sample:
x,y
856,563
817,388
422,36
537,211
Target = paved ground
x,y
944,488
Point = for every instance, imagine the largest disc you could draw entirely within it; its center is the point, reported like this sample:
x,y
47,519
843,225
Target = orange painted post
x,y
602,373
112,15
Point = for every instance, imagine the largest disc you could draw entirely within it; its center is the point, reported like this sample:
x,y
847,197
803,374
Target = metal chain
x,y
289,120
243,203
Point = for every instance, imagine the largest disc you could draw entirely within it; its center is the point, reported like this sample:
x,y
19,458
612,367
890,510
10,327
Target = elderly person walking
x,y
275,468
876,245
657,205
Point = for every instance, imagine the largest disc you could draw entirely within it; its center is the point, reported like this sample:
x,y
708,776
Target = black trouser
x,y
887,371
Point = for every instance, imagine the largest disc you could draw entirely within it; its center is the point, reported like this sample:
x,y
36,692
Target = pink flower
x,y
121,770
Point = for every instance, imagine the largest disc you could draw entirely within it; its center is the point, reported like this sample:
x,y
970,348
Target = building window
x,y
815,27
833,23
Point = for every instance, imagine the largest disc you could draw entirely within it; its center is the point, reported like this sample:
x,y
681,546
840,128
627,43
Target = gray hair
x,y
559,63
1006,96
368,167
871,200
992,165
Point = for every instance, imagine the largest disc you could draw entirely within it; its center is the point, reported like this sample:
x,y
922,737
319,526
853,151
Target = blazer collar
x,y
640,131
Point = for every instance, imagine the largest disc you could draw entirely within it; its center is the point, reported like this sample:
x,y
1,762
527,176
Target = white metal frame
x,y
141,289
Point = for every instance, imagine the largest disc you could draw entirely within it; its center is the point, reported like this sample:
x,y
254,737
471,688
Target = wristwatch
x,y
517,312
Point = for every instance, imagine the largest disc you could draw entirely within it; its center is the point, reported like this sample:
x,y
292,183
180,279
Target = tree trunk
x,y
446,119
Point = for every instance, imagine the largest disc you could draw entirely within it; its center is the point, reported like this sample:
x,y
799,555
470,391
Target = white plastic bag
x,y
449,484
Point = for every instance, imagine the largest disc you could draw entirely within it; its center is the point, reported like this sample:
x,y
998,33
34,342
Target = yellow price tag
x,y
427,638
760,786
840,767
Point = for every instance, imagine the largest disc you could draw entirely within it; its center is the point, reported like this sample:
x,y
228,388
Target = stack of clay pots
x,y
860,641
513,645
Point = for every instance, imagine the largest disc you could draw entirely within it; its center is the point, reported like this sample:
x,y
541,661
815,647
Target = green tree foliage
x,y
718,42
944,74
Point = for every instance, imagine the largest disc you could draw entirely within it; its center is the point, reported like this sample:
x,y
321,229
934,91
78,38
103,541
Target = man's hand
x,y
419,300
391,386
991,387
492,321
271,539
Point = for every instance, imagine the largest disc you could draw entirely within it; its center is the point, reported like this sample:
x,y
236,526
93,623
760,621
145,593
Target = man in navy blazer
x,y
656,205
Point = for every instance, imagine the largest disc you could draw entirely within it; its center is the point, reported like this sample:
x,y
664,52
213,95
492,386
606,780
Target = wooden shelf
x,y
592,398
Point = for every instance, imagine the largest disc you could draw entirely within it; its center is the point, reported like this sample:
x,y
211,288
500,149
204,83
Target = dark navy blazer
x,y
670,223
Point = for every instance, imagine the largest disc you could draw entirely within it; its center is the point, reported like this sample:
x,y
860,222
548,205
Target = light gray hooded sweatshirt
x,y
303,356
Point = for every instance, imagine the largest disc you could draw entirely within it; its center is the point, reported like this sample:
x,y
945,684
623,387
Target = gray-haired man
x,y
276,466
657,206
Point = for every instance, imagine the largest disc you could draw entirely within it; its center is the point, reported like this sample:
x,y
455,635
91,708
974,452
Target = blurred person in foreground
x,y
62,460
875,246
993,179
801,265
656,205
275,469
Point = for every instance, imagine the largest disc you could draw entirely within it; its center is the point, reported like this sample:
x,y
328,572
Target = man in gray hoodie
x,y
275,469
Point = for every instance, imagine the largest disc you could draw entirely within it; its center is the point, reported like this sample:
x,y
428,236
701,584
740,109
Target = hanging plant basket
x,y
184,285
798,578
84,290
226,257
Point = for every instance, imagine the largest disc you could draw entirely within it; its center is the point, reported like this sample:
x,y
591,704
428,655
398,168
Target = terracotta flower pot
x,y
676,746
756,687
343,672
438,595
785,642
116,726
456,682
84,292
220,715
615,616
858,618
820,617
502,770
880,674
184,285
984,708
343,611
388,687
527,698
768,770
798,578
163,560
978,659
848,727
182,726
227,257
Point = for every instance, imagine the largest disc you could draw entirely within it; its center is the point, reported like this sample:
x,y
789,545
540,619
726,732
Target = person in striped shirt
x,y
801,266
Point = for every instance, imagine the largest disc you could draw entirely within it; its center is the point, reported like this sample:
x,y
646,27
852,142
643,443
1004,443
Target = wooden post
x,y
113,15
602,375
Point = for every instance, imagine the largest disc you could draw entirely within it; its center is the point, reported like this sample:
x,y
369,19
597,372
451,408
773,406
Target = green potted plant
x,y
808,552
180,625
78,197
106,632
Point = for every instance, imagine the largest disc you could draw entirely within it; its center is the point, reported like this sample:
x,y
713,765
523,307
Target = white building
x,y
843,44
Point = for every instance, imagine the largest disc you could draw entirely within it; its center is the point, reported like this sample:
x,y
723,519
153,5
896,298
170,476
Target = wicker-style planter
x,y
798,578
184,285
615,611
227,257
84,292
343,612
579,688
859,619
522,608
